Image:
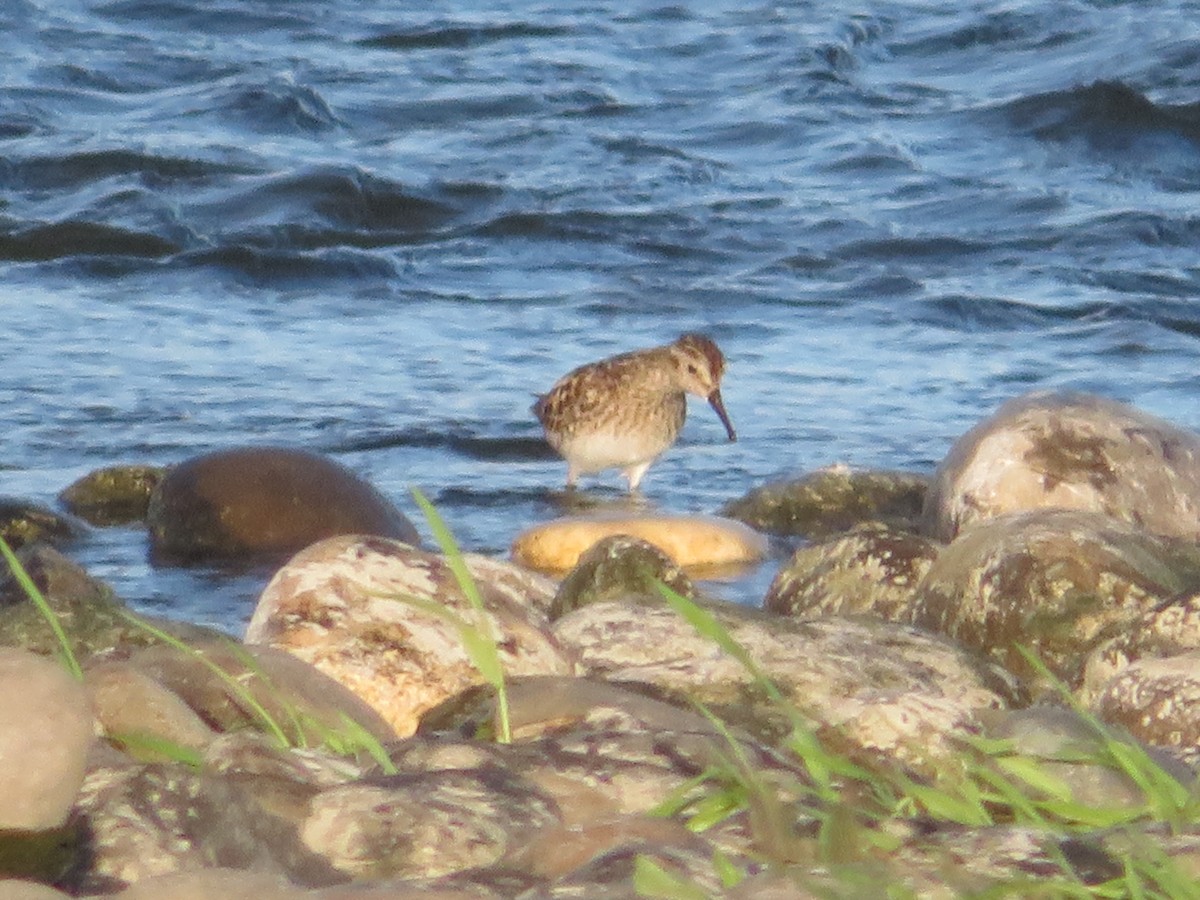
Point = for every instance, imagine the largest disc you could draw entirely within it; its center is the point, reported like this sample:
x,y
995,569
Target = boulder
x,y
263,503
1158,701
832,500
872,570
1070,451
23,523
693,542
112,495
46,730
386,620
1058,582
619,568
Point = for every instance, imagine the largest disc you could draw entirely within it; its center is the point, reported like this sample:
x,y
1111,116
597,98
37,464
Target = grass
x,y
66,653
854,805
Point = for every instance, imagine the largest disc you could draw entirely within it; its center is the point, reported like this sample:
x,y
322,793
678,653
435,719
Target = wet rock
x,y
157,819
268,502
619,568
113,495
92,617
23,523
1059,582
1068,450
832,500
886,689
385,619
873,570
1158,701
425,825
696,542
262,688
46,729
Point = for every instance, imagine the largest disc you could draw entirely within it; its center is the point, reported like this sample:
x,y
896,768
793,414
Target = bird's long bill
x,y
715,401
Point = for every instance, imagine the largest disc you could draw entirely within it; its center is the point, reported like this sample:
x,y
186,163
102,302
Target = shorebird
x,y
624,411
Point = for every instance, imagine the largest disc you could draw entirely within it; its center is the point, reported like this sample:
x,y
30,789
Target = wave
x,y
459,36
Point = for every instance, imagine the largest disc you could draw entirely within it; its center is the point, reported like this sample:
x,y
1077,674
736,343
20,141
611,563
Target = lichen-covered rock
x,y
425,825
1059,582
832,500
46,729
619,568
92,617
699,542
23,523
263,502
871,570
1070,451
886,688
1158,701
385,619
1168,629
156,819
112,495
207,884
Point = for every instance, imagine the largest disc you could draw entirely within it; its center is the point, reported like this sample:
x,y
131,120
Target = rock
x,y
619,568
11,889
45,731
1158,701
93,619
23,523
832,500
872,570
205,884
383,618
1073,451
263,688
1168,629
884,688
699,542
113,495
157,819
1059,582
425,825
263,503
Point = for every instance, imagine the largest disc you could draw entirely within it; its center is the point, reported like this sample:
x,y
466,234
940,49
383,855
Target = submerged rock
x,y
619,568
832,500
386,620
871,570
263,502
113,495
1059,582
697,542
1070,451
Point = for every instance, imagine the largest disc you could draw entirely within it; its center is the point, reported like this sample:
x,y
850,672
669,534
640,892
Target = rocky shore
x,y
983,680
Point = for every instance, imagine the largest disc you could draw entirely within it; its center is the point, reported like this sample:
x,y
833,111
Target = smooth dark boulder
x,y
267,503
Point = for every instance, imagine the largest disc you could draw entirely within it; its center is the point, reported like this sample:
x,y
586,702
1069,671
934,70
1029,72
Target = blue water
x,y
377,232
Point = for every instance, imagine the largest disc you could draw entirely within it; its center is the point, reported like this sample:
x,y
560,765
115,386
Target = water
x,y
377,232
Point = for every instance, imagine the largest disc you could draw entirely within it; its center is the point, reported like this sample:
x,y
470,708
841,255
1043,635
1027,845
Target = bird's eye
x,y
692,369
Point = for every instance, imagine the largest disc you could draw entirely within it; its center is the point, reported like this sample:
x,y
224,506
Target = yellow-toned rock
x,y
691,541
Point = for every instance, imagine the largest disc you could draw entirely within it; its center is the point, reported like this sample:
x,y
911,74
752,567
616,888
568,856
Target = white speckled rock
x,y
46,728
690,541
886,688
343,605
1157,700
1073,451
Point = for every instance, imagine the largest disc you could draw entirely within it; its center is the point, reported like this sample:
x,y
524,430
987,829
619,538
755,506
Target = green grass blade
x,y
478,640
66,654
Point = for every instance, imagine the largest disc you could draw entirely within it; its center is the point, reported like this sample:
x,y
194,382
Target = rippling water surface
x,y
377,232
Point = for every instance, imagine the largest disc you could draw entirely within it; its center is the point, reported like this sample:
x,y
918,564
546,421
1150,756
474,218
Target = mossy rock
x,y
620,567
113,495
23,523
831,501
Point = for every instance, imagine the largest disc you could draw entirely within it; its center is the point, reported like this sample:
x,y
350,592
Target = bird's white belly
x,y
602,450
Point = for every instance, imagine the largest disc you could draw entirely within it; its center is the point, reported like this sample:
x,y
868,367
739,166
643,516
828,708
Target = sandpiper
x,y
624,411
